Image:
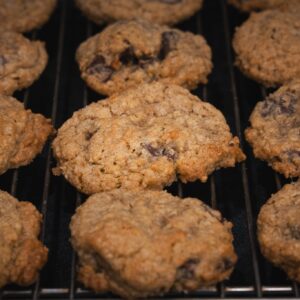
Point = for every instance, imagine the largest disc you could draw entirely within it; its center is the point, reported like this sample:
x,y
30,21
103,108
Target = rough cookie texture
x,y
22,255
250,5
22,134
275,129
267,47
156,11
279,230
21,61
129,53
142,243
144,137
24,15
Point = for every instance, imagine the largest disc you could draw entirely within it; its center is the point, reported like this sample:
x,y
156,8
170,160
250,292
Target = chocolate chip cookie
x,y
156,11
24,15
250,5
279,230
144,137
22,134
22,255
129,53
21,61
274,133
267,47
144,243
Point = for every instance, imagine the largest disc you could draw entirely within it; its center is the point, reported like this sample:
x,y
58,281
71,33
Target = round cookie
x,y
143,243
156,11
22,134
144,137
24,15
129,53
279,230
267,47
250,5
21,61
22,255
274,133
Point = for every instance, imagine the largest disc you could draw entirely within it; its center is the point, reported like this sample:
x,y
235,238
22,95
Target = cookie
x,y
22,255
279,230
267,47
144,137
22,134
167,12
24,15
274,133
144,243
21,61
129,53
250,5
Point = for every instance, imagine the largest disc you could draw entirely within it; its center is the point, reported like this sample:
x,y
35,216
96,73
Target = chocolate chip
x,y
3,60
99,68
168,44
170,153
294,231
127,57
187,270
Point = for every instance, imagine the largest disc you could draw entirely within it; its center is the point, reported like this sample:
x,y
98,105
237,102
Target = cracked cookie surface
x,y
142,243
156,11
144,137
267,47
22,134
279,229
22,255
129,53
24,15
21,61
274,133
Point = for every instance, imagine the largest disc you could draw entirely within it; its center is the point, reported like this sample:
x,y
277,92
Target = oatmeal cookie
x,y
145,243
22,255
144,137
129,53
274,133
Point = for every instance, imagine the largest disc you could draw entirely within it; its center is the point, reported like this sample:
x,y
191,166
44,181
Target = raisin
x,y
168,44
225,264
169,153
284,104
187,270
99,68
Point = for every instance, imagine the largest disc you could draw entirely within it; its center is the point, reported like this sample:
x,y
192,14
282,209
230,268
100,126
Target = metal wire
x,y
257,290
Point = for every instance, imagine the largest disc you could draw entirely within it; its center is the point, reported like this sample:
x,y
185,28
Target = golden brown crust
x,y
279,229
25,15
21,61
267,47
128,53
144,137
23,134
251,5
274,131
140,243
22,255
156,11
